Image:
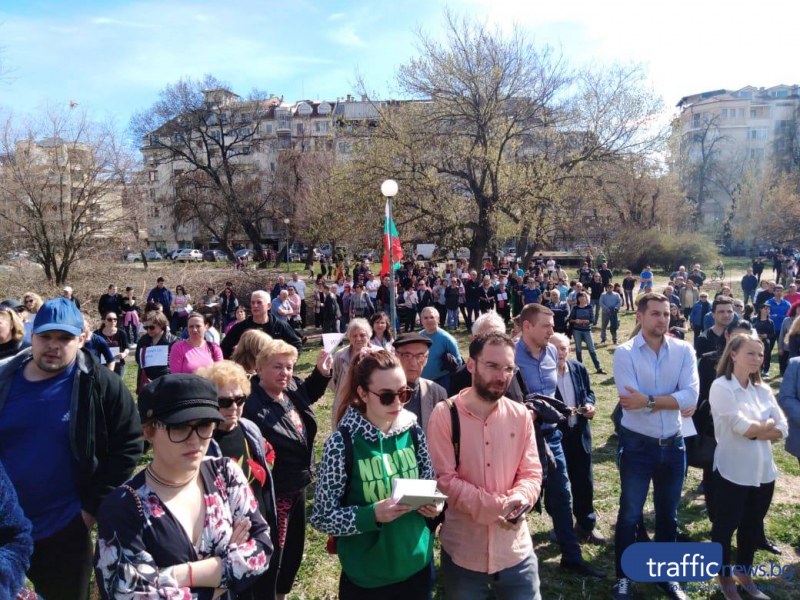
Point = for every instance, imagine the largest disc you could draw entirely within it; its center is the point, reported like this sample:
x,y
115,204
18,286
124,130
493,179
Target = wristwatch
x,y
651,402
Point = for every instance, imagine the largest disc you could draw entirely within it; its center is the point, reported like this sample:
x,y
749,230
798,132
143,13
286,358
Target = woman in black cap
x,y
184,526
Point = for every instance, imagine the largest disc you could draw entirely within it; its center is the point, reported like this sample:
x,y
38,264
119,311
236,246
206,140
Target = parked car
x,y
170,255
148,254
215,255
189,255
245,253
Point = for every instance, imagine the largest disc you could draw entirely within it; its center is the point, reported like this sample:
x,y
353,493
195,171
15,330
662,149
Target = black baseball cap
x,y
178,398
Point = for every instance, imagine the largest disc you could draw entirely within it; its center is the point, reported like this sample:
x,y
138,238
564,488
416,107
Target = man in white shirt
x,y
657,381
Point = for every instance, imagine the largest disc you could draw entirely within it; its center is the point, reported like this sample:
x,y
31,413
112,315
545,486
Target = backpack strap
x,y
455,426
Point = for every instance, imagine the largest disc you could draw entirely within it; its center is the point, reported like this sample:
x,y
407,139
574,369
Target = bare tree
x,y
60,192
208,134
502,127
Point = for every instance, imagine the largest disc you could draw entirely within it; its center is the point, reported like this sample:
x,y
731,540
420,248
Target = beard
x,y
487,391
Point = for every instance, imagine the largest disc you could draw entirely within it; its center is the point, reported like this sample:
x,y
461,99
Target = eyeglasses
x,y
387,397
182,432
150,327
507,371
110,319
28,301
409,356
228,401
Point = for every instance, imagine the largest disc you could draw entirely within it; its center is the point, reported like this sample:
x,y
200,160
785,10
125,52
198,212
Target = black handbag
x,y
700,451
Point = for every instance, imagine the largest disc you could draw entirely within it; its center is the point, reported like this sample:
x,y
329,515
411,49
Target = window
x,y
344,147
178,138
245,149
154,140
741,113
153,175
152,195
696,119
321,126
156,211
269,128
299,128
752,113
244,131
758,133
782,94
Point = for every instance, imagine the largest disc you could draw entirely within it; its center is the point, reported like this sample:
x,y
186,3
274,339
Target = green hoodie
x,y
373,554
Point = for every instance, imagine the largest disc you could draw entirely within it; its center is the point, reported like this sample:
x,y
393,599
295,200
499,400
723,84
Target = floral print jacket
x,y
139,539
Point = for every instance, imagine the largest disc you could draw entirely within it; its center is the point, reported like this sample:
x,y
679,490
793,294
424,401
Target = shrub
x,y
662,251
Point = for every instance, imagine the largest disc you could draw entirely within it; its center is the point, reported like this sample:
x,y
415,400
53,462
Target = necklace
x,y
151,472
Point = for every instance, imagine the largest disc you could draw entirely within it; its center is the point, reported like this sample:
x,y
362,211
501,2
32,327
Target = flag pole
x,y
389,191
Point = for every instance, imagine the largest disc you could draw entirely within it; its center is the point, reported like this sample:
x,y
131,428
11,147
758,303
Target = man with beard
x,y
70,434
490,484
537,360
656,377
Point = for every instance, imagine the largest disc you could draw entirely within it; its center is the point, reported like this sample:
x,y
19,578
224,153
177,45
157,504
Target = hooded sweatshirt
x,y
373,554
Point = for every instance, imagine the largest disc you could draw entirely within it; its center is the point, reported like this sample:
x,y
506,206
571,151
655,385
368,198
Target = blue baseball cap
x,y
58,314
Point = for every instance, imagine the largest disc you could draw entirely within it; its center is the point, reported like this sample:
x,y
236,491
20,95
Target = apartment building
x,y
731,131
251,137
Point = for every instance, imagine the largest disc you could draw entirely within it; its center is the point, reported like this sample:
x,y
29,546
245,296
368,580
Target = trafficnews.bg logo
x,y
688,562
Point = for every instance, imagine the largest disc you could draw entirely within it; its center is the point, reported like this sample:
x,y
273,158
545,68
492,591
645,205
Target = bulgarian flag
x,y
390,230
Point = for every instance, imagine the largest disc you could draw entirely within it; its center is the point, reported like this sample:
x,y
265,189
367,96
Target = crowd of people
x,y
219,509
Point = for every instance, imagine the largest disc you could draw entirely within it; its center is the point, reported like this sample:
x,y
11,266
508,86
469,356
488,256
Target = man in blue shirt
x,y
778,307
657,381
439,366
70,434
537,361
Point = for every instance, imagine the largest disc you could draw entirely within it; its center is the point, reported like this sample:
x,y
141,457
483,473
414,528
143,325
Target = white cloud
x,y
345,36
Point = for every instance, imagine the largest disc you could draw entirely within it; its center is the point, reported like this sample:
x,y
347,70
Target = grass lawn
x,y
319,573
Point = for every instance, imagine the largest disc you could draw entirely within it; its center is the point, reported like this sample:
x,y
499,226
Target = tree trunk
x,y
480,238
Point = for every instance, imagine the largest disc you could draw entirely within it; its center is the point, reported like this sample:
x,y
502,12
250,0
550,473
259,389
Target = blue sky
x,y
113,56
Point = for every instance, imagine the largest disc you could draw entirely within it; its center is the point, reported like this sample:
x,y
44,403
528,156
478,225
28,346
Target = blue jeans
x,y
452,318
580,335
558,500
520,582
595,303
640,462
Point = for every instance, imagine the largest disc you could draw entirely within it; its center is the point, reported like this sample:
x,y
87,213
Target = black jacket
x,y
105,431
167,339
294,455
277,330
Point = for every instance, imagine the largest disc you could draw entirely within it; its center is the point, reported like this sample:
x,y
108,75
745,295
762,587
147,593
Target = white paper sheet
x,y
114,351
156,356
331,340
416,492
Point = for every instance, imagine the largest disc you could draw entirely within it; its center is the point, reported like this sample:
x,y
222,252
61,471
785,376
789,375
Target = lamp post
x,y
389,191
286,223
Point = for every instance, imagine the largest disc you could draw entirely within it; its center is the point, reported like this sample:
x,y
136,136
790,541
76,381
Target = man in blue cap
x,y
70,434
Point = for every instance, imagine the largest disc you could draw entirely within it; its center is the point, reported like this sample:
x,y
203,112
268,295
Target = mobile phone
x,y
516,514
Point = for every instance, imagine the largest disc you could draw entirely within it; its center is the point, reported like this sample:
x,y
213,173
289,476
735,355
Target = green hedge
x,y
662,250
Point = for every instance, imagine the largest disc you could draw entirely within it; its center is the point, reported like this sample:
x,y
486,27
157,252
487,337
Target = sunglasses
x,y
387,397
228,401
150,327
111,320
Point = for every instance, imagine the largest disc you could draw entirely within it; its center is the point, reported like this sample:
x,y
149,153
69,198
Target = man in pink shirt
x,y
495,477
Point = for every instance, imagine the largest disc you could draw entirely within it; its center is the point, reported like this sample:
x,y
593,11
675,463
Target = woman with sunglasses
x,y
186,356
385,548
152,361
280,404
183,527
240,440
116,339
12,333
